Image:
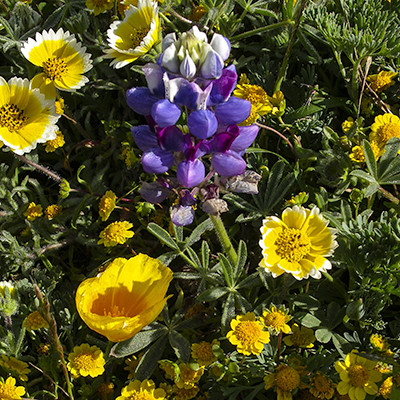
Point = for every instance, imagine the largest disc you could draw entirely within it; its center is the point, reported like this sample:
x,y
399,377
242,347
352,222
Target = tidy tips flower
x,y
125,298
135,35
297,244
86,360
63,59
9,391
26,117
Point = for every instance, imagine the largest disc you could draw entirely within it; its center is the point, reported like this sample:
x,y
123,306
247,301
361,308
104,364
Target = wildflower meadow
x,y
199,199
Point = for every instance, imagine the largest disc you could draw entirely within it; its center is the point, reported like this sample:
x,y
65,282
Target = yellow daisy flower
x,y
107,205
63,59
384,128
115,233
99,6
347,124
357,152
125,298
52,211
203,353
321,386
197,13
276,319
247,334
33,211
297,244
300,337
52,145
188,377
385,389
145,390
358,376
135,35
15,366
86,360
8,390
285,380
26,117
382,81
35,321
184,393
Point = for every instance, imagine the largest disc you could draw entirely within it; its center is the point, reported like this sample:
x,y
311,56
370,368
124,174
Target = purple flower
x,y
191,172
165,113
154,192
234,111
202,123
223,87
183,212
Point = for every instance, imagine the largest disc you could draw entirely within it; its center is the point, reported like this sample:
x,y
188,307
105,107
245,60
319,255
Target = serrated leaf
x,y
180,345
150,359
162,235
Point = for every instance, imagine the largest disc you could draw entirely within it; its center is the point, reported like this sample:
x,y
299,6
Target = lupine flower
x,y
135,35
182,213
63,59
86,360
125,298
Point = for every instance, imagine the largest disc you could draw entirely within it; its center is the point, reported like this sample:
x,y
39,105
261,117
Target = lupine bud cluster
x,y
192,119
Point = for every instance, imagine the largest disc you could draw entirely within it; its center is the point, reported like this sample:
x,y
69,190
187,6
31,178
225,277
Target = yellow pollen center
x,y
287,379
248,332
138,35
321,383
115,311
358,375
255,94
292,244
142,395
55,68
388,131
204,351
7,392
85,362
275,320
11,117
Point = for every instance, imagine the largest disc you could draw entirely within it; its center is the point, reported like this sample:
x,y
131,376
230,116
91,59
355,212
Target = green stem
x,y
260,30
354,81
108,349
224,239
285,61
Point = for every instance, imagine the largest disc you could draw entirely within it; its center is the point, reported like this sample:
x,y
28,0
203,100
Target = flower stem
x,y
108,349
224,239
260,30
40,168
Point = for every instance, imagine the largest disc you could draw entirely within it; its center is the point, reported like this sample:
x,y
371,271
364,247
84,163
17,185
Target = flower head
x,y
300,337
379,343
357,152
33,211
203,352
385,389
358,376
105,390
125,298
8,390
58,141
99,6
347,124
35,321
131,364
145,390
63,59
135,35
184,393
297,244
15,366
115,233
276,319
188,377
86,360
384,128
26,117
107,205
52,211
381,81
286,379
321,386
247,334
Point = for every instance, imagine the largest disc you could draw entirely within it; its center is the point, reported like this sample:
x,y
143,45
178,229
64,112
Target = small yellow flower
x,y
44,349
322,387
382,81
358,376
52,145
188,377
170,369
198,13
379,342
145,390
35,321
8,390
346,125
99,6
33,211
184,393
301,337
298,200
384,128
276,319
15,366
285,380
116,233
59,105
247,334
357,152
52,211
128,155
386,388
125,298
86,360
203,352
107,205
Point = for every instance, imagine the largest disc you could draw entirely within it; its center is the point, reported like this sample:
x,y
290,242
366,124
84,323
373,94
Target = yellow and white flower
x,y
135,35
26,117
63,59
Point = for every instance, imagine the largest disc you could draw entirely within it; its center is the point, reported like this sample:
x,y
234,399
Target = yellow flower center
x,y
138,35
115,311
11,117
287,379
292,244
85,362
386,388
254,94
275,320
358,375
204,351
321,383
8,392
388,131
115,232
55,68
142,395
248,332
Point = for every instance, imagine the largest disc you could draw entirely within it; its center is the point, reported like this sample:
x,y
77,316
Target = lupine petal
x,y
221,45
140,100
187,67
154,77
223,86
233,112
153,192
247,135
212,66
190,173
172,139
182,215
169,59
165,113
157,161
202,123
144,138
228,164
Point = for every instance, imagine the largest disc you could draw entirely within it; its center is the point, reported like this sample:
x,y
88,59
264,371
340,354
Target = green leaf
x,y
371,189
205,254
323,335
363,175
346,211
310,321
138,342
212,294
180,345
149,360
227,270
370,159
228,313
162,235
355,310
242,258
194,257
195,236
7,27
392,148
250,281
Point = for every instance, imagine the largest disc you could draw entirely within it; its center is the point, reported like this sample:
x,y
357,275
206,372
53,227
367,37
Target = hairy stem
x,y
224,239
